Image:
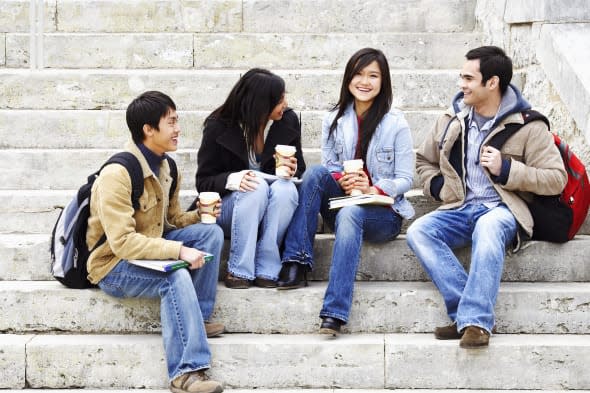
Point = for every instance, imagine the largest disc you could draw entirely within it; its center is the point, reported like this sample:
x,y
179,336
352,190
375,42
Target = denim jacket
x,y
390,157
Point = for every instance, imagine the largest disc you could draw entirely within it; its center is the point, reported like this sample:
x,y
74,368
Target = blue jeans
x,y
351,224
187,297
469,298
256,222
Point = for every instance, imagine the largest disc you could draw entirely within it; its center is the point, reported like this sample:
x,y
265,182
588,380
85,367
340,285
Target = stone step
x,y
26,257
297,390
35,211
374,361
107,129
239,50
258,16
57,169
378,307
205,90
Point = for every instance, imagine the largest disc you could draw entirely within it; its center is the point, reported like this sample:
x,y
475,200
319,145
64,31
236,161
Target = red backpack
x,y
556,218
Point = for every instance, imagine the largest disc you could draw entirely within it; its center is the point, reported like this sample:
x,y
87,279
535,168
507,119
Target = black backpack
x,y
69,251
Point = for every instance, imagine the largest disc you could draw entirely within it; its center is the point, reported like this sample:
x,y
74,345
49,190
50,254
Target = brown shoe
x,y
234,282
195,382
265,283
448,332
214,329
474,337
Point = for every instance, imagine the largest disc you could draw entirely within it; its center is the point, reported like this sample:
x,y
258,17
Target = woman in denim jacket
x,y
361,126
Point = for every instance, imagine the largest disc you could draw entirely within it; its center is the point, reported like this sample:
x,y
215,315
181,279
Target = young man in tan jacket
x,y
482,191
158,229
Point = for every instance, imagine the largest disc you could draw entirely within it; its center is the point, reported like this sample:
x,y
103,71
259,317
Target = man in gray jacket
x,y
482,189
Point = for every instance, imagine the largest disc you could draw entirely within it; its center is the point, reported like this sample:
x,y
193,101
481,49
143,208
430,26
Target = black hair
x,y
380,106
492,62
250,102
148,109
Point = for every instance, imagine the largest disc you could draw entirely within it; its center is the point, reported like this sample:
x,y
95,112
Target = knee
x,y
415,232
349,217
284,191
315,173
257,197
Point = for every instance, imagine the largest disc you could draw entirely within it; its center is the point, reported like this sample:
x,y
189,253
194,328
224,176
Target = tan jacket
x,y
536,165
133,234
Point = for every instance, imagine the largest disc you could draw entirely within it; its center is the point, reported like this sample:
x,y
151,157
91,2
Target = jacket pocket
x,y
147,201
385,161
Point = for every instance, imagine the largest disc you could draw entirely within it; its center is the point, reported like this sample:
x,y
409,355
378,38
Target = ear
x,y
494,82
148,131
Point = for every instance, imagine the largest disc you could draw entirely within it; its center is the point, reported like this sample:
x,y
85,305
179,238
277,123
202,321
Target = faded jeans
x,y
352,225
187,297
256,221
469,298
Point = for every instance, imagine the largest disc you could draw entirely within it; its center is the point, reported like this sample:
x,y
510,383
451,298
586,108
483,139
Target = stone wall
x,y
521,28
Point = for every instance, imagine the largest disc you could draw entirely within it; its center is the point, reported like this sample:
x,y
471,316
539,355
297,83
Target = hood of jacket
x,y
512,102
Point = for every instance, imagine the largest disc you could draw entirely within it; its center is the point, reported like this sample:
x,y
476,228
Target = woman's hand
x,y
249,182
356,181
289,162
362,183
192,256
347,182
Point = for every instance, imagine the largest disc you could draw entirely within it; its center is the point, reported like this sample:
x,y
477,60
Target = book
x,y
165,265
364,199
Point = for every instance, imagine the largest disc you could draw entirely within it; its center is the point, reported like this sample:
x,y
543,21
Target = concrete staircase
x,y
62,117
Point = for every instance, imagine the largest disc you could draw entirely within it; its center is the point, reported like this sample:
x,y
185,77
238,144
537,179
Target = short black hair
x,y
148,108
492,62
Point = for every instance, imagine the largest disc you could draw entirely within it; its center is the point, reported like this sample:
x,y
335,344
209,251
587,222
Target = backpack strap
x,y
173,173
528,116
131,163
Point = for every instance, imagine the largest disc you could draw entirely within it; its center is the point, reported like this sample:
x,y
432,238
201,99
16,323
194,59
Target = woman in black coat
x,y
237,148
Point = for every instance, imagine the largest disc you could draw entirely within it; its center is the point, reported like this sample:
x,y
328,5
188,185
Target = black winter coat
x,y
223,151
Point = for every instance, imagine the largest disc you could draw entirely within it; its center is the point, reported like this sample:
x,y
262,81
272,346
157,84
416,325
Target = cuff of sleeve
x,y
502,178
336,175
234,180
380,191
436,185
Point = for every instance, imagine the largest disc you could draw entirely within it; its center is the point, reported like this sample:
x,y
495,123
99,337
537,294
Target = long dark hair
x,y
250,102
382,103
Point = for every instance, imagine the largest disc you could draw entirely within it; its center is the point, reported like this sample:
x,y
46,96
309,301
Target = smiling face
x,y
365,86
475,93
277,112
166,138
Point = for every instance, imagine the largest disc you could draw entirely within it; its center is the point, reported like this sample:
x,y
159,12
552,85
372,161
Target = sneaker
x,y
448,332
234,282
474,337
214,329
195,382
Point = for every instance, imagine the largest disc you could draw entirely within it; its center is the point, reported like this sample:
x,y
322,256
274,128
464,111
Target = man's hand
x,y
192,256
491,158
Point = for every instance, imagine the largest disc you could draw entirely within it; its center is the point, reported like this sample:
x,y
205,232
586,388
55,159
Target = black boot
x,y
331,326
292,275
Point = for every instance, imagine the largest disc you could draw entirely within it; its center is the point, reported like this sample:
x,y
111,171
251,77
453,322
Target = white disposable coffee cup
x,y
353,166
207,202
283,153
